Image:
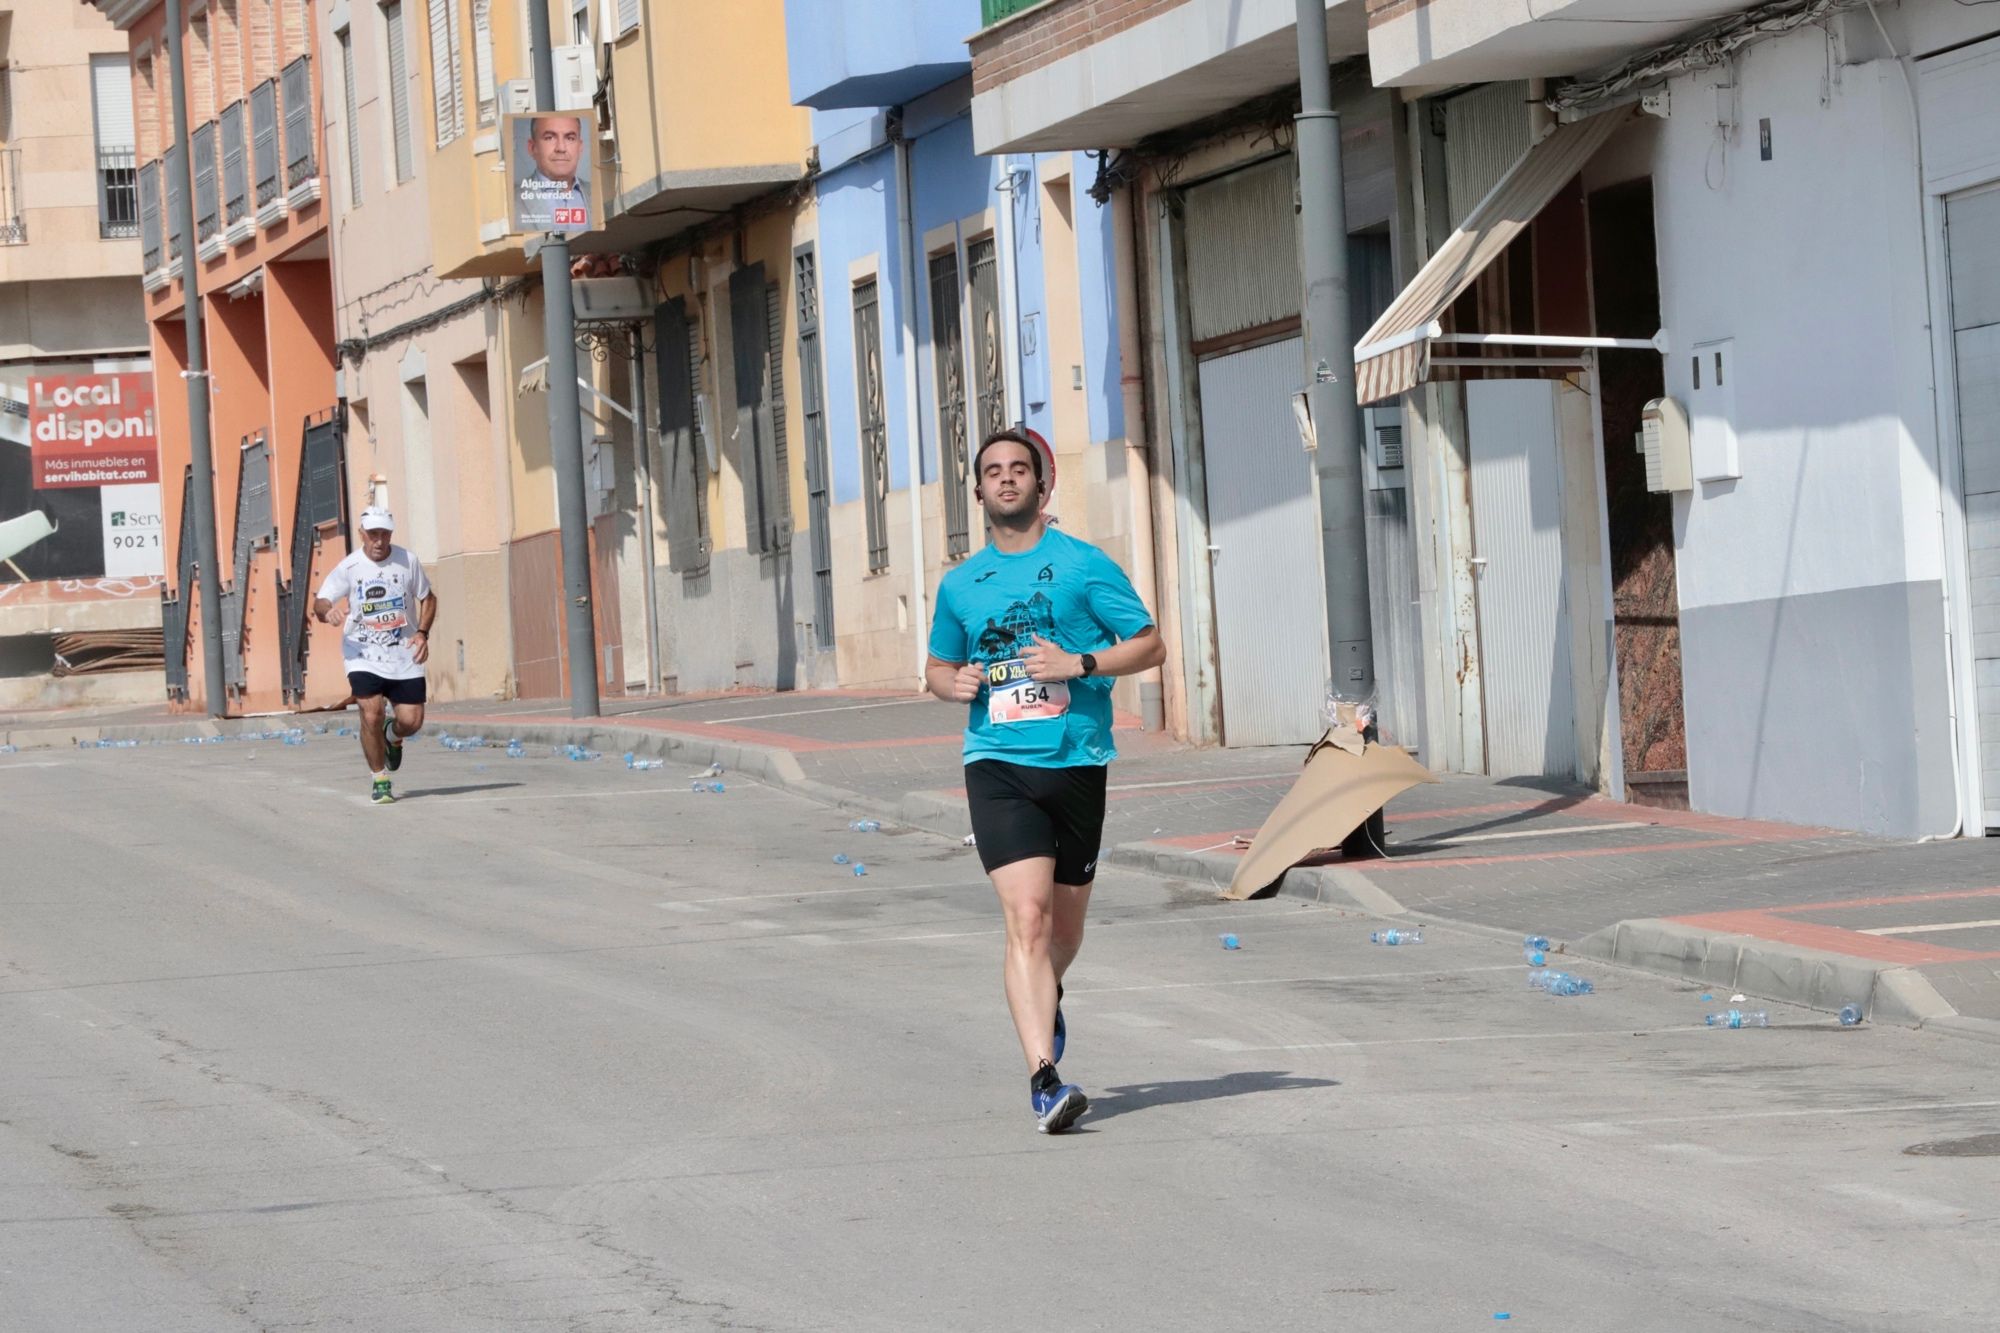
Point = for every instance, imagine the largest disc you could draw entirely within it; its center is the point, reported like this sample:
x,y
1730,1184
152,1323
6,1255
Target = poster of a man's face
x,y
549,170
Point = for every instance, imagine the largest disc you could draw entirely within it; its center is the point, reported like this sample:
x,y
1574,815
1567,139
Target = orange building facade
x,y
265,283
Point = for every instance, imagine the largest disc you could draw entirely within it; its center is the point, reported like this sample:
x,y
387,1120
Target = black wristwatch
x,y
1090,664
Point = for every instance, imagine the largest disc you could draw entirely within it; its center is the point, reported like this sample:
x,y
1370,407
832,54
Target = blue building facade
x,y
958,294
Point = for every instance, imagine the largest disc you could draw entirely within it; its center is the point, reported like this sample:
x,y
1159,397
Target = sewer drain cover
x,y
1979,1145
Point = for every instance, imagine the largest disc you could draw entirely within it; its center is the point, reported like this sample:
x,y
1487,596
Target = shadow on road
x,y
1140,1096
456,791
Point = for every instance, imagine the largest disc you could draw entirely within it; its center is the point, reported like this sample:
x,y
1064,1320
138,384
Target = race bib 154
x,y
1012,697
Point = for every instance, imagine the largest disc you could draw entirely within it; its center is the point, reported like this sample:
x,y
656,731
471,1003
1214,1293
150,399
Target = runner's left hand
x,y
1046,662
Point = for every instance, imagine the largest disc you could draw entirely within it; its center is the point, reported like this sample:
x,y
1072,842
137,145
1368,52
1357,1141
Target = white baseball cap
x,y
377,519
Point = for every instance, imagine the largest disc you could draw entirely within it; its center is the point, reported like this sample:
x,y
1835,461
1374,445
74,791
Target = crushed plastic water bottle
x,y
295,740
1736,1018
1559,983
1395,937
444,739
1231,942
319,728
1535,957
577,754
516,750
1850,1014
717,788
859,870
638,765
10,749
840,858
473,743
865,826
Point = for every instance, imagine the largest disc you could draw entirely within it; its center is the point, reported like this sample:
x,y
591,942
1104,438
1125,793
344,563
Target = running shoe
x,y
394,742
1057,1108
382,795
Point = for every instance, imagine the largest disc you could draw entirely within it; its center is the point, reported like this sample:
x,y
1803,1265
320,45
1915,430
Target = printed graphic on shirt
x,y
1014,631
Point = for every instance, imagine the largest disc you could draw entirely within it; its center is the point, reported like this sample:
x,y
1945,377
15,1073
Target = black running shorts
x,y
1020,812
366,684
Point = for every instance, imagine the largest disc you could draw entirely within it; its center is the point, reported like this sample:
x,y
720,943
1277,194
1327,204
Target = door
x,y
1270,607
1972,230
1524,640
606,615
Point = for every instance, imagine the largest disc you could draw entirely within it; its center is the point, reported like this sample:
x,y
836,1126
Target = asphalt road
x,y
558,1046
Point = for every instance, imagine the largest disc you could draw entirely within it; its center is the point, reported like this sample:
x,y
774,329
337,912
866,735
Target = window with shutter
x,y
750,346
874,421
780,451
676,353
349,126
628,16
399,91
482,61
444,70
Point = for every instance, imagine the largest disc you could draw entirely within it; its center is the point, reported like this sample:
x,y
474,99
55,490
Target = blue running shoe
x,y
1059,1107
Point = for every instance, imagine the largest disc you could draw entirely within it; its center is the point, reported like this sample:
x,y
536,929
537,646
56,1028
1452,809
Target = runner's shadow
x,y
1140,1096
456,791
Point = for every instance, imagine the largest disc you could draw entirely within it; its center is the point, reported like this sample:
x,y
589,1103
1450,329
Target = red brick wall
x,y
1045,35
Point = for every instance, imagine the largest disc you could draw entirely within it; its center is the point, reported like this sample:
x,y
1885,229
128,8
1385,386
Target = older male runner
x,y
385,643
1029,633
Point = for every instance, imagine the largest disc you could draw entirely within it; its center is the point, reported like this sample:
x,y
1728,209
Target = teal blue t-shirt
x,y
990,610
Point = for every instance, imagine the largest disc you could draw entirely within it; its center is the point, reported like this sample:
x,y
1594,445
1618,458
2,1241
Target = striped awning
x,y
1395,355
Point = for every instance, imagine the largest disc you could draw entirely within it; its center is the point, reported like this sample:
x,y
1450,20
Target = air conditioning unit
x,y
576,78
1384,428
621,300
1663,439
517,97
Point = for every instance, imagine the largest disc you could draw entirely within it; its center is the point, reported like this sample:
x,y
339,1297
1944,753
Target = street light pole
x,y
1329,356
201,453
565,412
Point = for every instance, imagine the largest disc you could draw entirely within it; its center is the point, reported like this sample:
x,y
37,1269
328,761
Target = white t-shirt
x,y
382,603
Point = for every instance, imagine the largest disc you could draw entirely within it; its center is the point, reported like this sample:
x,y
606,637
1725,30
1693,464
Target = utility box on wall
x,y
1663,439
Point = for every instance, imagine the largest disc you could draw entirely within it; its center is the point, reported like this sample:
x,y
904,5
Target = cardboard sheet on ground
x,y
1342,785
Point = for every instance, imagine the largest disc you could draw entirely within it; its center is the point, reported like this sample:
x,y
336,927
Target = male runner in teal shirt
x,y
1029,632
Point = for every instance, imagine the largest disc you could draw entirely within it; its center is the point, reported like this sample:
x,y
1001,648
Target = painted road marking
x,y
815,712
689,903
1110,925
1286,981
1484,1036
1925,930
1450,839
1880,1108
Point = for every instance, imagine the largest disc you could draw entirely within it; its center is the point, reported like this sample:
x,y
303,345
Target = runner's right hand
x,y
965,686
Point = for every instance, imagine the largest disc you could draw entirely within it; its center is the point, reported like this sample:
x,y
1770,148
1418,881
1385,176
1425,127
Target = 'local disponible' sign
x,y
93,430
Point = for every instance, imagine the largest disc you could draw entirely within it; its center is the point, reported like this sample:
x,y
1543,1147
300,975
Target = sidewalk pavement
x,y
1808,916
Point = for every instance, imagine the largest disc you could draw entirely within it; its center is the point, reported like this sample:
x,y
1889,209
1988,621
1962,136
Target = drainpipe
x,y
642,441
906,222
1138,444
1010,296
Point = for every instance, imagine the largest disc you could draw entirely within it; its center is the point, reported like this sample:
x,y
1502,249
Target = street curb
x,y
1811,978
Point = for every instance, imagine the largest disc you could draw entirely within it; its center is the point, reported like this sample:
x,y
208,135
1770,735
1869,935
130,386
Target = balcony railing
x,y
264,140
150,230
207,204
992,11
117,192
235,166
297,91
176,178
13,213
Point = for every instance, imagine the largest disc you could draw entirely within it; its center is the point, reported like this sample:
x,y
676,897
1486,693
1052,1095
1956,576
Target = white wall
x,y
1813,262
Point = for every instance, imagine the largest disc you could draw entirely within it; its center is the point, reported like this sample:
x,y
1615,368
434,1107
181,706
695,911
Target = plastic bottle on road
x,y
1394,937
859,870
1535,948
840,858
639,765
1559,983
1737,1018
865,826
1231,942
516,750
1850,1014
